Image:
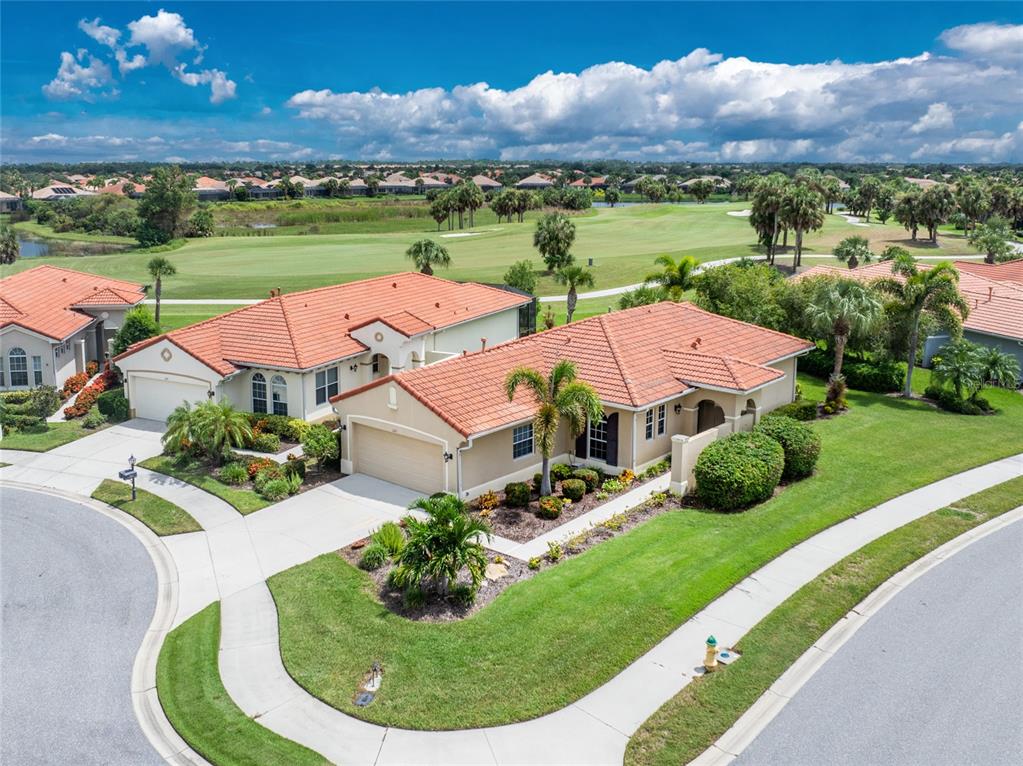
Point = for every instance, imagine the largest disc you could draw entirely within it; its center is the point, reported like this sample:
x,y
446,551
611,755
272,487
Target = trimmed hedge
x,y
550,507
880,377
802,445
517,494
590,477
560,471
113,404
288,428
739,470
573,489
801,409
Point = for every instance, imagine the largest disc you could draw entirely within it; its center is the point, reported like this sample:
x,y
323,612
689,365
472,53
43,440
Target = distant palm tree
x,y
553,237
160,267
854,250
9,247
558,395
675,276
426,254
574,276
802,209
839,309
935,291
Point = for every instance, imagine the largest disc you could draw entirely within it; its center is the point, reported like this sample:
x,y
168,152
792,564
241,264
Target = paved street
x,y
936,677
78,594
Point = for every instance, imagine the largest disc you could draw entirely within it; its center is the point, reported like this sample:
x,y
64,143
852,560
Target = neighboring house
x,y
429,183
291,353
116,187
487,184
9,202
660,370
629,187
397,183
357,187
996,307
54,321
721,184
210,189
1010,272
535,181
923,183
59,191
596,182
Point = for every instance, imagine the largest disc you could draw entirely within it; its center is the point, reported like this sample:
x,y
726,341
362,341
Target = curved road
x,y
78,594
935,677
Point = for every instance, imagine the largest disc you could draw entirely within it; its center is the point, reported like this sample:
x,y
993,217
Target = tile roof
x,y
535,180
1009,271
205,182
306,329
44,299
632,358
482,181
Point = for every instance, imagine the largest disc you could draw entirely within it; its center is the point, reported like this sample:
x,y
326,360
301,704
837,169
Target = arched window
x,y
258,393
279,392
19,366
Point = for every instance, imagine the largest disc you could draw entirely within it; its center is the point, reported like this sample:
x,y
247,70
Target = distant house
x,y
397,183
429,183
535,181
596,182
116,186
629,187
922,183
9,202
357,187
210,189
56,192
720,183
447,178
487,184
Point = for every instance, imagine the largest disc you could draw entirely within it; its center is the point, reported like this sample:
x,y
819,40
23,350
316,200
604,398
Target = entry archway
x,y
708,415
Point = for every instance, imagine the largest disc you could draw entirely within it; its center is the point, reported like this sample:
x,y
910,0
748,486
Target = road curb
x,y
151,717
733,742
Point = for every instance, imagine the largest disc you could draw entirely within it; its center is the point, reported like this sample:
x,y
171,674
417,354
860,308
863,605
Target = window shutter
x,y
612,439
582,444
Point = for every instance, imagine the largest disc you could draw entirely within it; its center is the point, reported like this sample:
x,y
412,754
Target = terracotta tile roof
x,y
306,329
205,182
1010,271
632,358
535,180
482,181
43,299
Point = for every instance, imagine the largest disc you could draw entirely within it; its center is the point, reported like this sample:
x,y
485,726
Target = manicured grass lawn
x,y
161,516
197,705
242,500
690,722
174,316
548,641
51,436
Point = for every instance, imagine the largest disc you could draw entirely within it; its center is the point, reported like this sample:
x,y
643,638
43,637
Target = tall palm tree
x,y
802,209
841,308
9,247
426,254
934,290
574,276
765,211
675,276
160,267
558,395
553,237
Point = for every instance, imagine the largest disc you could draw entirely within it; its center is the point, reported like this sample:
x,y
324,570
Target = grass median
x,y
161,516
242,500
48,436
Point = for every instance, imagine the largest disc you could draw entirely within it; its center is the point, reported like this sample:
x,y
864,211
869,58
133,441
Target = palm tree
x,y
935,290
960,364
426,254
841,308
802,209
852,250
553,237
9,247
218,427
160,267
1000,369
574,276
558,395
765,211
675,276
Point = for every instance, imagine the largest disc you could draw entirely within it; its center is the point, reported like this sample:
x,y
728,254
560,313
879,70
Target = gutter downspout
x,y
634,463
458,465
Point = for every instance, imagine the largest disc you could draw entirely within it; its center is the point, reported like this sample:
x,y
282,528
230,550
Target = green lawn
x,y
704,710
197,705
548,641
50,436
161,516
242,500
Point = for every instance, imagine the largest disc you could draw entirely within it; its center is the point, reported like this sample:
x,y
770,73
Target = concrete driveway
x,y
78,593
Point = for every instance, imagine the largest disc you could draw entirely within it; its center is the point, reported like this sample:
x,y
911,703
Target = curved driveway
x,y
78,593
935,677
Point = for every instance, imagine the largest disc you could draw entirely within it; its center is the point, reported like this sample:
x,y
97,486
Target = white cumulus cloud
x,y
938,117
993,40
79,76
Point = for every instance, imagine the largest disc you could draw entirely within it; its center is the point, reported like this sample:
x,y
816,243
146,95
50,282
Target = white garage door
x,y
398,459
156,399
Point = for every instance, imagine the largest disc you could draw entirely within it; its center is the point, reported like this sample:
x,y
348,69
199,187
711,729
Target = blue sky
x,y
716,81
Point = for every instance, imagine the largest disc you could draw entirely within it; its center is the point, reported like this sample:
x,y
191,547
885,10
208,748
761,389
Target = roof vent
x,y
437,304
346,316
483,344
394,285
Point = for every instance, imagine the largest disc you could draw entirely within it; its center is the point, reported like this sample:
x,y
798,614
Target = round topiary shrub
x,y
573,489
590,478
739,470
560,471
550,507
517,494
802,445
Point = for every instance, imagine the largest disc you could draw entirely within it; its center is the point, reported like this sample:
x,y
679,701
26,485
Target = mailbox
x,y
129,473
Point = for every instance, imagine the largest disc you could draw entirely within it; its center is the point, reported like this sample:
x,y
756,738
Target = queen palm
x,y
802,210
557,395
574,276
841,308
160,267
675,276
426,254
934,290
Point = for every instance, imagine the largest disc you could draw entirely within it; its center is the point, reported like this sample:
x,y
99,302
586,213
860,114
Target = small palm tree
x,y
853,250
160,267
9,247
558,395
426,254
573,276
553,237
841,308
1000,369
179,428
218,427
675,276
960,364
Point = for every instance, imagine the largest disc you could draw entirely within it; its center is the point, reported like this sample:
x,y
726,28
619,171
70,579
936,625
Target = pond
x,y
33,247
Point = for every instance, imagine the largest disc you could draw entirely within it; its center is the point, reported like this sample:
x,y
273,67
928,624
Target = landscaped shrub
x,y
296,430
590,478
573,489
739,470
255,466
610,486
626,477
661,466
391,537
88,395
14,397
43,401
76,383
550,507
289,429
487,502
802,445
233,473
93,418
320,443
463,594
538,482
560,471
517,494
272,472
294,467
881,376
113,404
275,489
947,400
266,442
801,409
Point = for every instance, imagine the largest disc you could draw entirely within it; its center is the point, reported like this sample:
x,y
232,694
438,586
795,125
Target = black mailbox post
x,y
129,474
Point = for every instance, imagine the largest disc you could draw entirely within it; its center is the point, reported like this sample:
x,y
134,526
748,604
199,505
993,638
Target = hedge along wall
x,y
880,377
684,452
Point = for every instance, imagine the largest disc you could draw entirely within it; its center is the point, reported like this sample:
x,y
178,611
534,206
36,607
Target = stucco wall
x,y
56,368
488,463
496,328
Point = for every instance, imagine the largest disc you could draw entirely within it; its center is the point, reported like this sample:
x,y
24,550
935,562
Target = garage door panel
x,y
156,399
398,459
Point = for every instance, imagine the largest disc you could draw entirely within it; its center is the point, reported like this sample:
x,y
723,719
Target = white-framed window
x,y
376,364
279,394
258,393
326,384
649,431
37,370
598,439
662,419
522,441
3,376
18,364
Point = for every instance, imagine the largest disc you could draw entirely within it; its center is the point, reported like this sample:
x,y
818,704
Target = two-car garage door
x,y
156,398
398,459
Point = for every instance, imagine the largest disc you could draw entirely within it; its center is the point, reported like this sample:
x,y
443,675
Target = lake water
x,y
32,247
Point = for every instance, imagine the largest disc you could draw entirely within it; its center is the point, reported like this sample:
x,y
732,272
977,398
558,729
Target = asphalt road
x,y
78,594
936,677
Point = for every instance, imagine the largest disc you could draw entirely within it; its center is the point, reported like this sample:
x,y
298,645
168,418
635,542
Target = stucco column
x,y
689,420
678,482
80,355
